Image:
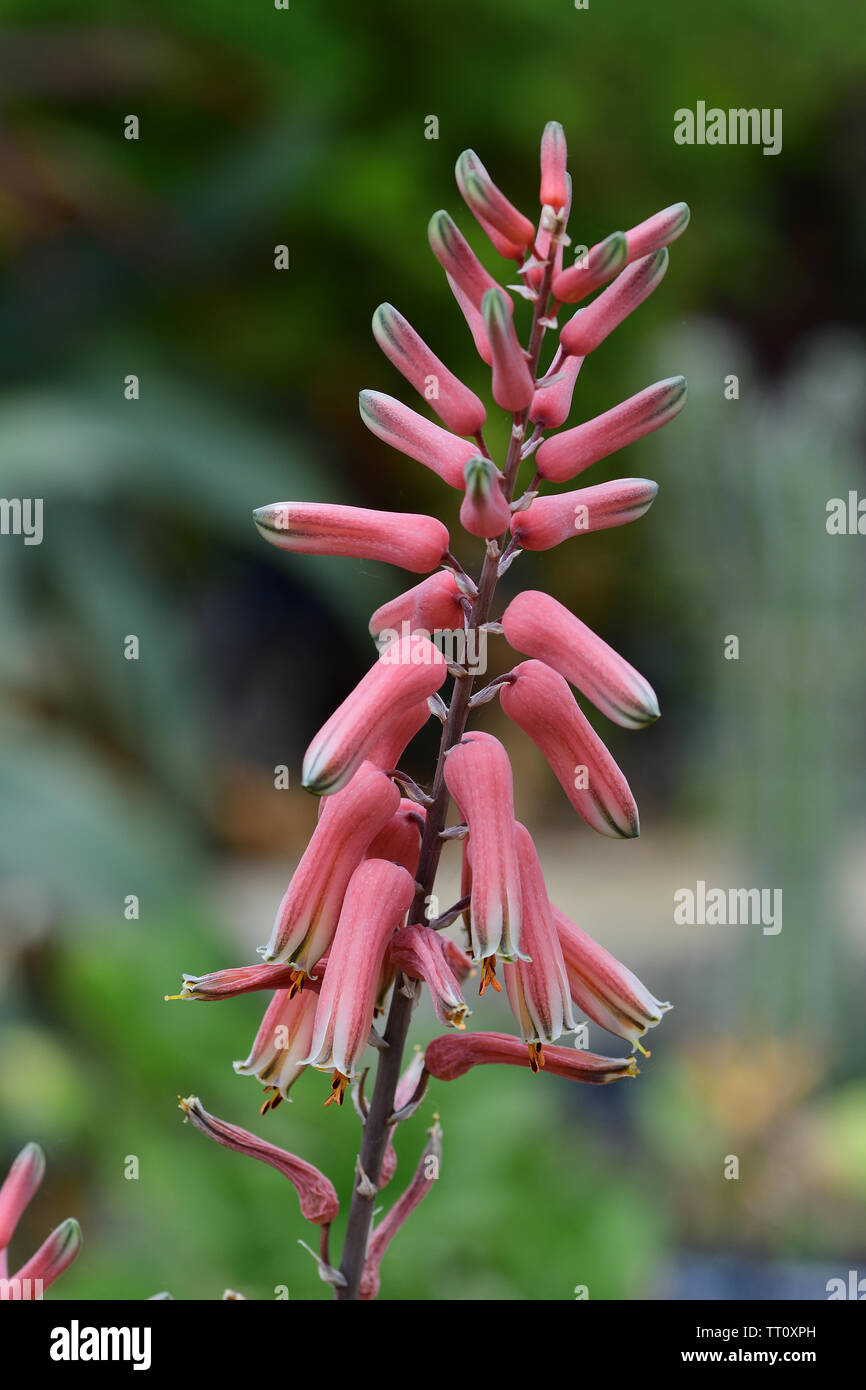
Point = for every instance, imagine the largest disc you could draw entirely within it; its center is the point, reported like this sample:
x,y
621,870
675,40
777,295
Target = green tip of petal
x,y
614,251
494,308
479,474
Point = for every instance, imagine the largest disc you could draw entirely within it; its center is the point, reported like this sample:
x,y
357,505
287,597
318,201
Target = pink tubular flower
x,y
478,776
513,385
657,231
548,521
554,191
458,408
474,321
425,1175
406,672
392,744
281,1043
420,954
603,987
592,270
459,261
406,430
400,839
540,702
565,455
484,510
411,541
377,899
433,604
241,979
308,914
55,1254
452,1055
551,403
538,986
507,228
539,626
590,326
316,1193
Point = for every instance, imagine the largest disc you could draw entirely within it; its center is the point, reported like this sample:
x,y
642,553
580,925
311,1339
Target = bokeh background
x,y
156,777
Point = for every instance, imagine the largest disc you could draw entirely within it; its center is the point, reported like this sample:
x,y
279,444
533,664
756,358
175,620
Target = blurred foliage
x,y
306,127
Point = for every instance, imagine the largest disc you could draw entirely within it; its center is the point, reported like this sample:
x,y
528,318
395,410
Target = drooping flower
x,y
548,521
407,539
318,1199
513,384
593,269
55,1254
406,1089
420,953
564,455
425,1175
452,1055
459,261
506,227
407,671
392,743
281,1044
605,989
657,231
377,899
308,914
538,626
554,190
404,429
458,408
400,839
539,701
590,326
484,510
538,986
478,776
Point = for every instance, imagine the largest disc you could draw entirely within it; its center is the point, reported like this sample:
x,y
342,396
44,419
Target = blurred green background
x,y
306,127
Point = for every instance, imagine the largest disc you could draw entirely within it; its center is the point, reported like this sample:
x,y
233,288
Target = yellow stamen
x,y
488,975
536,1056
339,1082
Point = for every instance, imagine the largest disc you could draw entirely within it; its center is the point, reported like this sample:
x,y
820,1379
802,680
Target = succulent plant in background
x,y
359,920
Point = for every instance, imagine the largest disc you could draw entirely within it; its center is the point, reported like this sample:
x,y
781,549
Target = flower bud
x,y
554,191
513,385
565,455
406,430
550,520
459,408
406,539
591,270
491,208
484,510
590,326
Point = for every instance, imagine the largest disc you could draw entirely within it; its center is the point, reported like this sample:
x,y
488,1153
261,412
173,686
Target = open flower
x,y
420,953
377,899
408,539
406,672
281,1044
537,625
316,1193
452,1055
540,702
605,989
307,916
538,986
55,1254
478,776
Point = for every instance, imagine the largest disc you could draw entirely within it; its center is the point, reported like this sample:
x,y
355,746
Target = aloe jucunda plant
x,y
353,926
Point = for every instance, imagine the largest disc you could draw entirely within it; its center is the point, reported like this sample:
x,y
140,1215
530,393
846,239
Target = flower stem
x,y
381,1109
